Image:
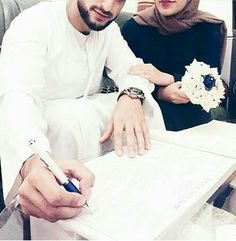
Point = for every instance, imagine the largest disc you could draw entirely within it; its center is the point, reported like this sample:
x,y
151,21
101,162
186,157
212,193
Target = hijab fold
x,y
182,21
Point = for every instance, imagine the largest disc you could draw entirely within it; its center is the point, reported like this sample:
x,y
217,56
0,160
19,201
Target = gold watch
x,y
133,93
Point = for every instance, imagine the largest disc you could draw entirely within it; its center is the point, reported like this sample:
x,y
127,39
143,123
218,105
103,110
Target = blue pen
x,y
52,166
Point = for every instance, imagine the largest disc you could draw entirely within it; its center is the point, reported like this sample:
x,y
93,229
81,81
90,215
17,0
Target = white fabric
x,y
45,59
232,202
43,230
71,129
209,223
76,130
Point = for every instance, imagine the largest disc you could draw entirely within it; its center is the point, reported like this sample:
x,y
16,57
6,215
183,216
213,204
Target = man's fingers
x,y
58,213
130,139
108,132
48,212
140,138
31,201
86,180
52,192
146,136
31,209
40,195
118,138
80,172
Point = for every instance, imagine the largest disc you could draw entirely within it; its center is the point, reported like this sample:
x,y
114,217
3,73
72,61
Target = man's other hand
x,y
128,124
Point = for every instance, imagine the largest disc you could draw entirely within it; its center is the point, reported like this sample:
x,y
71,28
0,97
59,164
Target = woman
x,y
169,36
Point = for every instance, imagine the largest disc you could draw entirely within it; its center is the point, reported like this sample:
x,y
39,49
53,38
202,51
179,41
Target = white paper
x,y
215,137
151,195
226,232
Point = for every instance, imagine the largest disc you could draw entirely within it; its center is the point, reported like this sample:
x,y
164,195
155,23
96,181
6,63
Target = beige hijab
x,y
181,21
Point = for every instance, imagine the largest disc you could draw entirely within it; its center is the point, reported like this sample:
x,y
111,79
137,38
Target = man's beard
x,y
86,18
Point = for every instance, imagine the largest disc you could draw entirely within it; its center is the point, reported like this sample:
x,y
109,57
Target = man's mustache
x,y
106,13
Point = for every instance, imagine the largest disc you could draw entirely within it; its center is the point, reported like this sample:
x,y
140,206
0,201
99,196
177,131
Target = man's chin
x,y
99,26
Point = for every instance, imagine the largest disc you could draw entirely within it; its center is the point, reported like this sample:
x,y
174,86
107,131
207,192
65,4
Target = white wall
x,y
130,6
221,9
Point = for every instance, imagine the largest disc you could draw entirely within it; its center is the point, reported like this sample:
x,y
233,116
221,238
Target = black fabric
x,y
2,22
171,54
108,85
9,9
232,83
2,205
220,200
23,4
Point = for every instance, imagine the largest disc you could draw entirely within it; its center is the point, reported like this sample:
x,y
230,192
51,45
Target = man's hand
x,y
41,196
148,71
172,93
128,120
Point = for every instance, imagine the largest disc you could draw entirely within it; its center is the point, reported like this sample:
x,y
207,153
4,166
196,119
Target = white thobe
x,y
50,76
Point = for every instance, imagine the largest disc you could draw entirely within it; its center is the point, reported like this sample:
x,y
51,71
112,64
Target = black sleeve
x,y
210,45
177,76
132,34
127,32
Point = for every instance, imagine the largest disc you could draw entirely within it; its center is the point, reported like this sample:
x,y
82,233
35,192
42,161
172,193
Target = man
x,y
51,66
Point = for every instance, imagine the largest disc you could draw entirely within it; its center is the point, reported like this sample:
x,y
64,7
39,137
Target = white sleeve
x,y
22,60
120,59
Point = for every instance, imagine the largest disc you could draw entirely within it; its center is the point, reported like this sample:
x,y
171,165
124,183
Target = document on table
x,y
149,196
216,137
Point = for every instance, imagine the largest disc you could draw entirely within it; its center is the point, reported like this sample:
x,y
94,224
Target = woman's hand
x,y
148,71
172,93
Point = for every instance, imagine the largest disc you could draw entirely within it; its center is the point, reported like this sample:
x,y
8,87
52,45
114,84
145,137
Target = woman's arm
x,y
210,45
151,73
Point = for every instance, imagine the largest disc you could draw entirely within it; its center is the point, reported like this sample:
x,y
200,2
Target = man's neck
x,y
75,17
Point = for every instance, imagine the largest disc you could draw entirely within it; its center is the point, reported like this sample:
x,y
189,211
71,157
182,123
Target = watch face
x,y
135,93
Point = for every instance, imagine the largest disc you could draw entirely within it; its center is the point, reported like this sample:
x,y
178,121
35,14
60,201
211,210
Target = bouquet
x,y
203,85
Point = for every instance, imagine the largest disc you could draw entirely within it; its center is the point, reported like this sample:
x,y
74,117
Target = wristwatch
x,y
133,93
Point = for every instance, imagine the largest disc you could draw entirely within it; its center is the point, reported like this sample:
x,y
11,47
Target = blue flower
x,y
209,82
